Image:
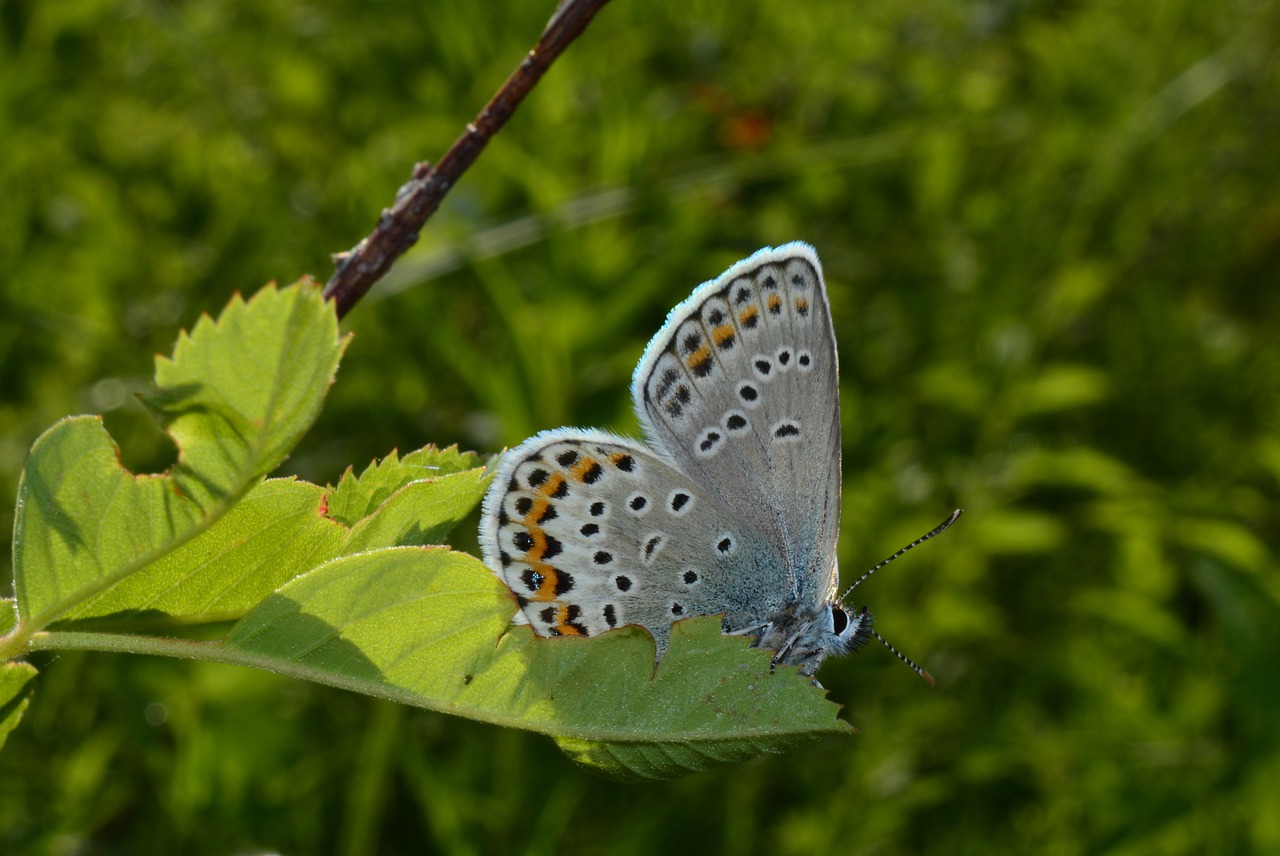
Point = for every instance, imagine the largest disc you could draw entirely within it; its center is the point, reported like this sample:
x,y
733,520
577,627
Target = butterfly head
x,y
831,630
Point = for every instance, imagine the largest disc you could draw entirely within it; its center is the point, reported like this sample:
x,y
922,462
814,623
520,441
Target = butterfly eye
x,y
839,620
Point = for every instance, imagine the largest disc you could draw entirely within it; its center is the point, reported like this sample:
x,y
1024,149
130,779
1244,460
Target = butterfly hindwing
x,y
592,531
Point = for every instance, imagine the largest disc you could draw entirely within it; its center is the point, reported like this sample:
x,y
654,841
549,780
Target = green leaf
x,y
1062,387
14,697
411,501
237,394
278,531
275,533
240,392
1080,467
711,701
1008,531
1228,540
8,615
416,618
418,625
356,497
421,513
84,522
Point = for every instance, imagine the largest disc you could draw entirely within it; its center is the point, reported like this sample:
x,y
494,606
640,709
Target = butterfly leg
x,y
791,641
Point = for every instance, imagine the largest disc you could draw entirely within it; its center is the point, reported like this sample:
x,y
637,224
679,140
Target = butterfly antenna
x,y
937,530
928,678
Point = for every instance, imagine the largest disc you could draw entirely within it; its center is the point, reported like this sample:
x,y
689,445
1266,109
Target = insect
x,y
731,507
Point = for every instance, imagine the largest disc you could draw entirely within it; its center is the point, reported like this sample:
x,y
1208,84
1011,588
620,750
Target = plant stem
x,y
398,227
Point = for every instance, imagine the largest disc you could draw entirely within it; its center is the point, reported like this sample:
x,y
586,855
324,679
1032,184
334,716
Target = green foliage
x,y
422,627
235,398
1050,232
387,504
705,705
322,584
14,678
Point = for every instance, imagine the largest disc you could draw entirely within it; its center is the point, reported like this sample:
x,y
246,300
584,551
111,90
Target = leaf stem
x,y
398,227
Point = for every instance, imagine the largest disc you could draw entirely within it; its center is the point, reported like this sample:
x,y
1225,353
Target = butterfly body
x,y
733,505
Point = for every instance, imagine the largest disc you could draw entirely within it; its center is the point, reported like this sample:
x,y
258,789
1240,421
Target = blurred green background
x,y
1051,232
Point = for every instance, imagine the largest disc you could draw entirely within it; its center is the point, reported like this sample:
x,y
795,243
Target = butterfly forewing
x,y
740,389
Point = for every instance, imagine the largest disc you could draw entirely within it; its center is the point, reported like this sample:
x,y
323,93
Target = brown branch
x,y
398,227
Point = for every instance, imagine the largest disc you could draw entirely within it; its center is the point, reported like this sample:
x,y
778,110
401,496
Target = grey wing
x,y
741,389
592,531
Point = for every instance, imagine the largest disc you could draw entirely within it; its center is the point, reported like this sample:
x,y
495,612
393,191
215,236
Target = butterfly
x,y
731,507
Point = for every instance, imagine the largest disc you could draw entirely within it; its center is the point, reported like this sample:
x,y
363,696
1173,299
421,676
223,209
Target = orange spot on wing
x,y
699,357
722,334
563,625
536,511
547,589
775,303
584,466
551,485
802,305
534,553
745,316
